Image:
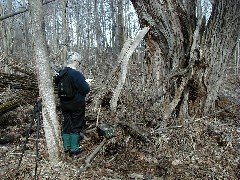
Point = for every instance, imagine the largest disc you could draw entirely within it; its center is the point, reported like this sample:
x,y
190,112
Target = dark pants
x,y
74,117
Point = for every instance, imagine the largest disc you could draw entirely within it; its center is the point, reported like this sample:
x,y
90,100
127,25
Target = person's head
x,y
73,59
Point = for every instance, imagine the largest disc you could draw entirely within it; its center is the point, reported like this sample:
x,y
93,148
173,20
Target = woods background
x,y
181,90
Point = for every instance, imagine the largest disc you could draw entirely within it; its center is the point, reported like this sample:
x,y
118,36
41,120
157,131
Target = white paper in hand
x,y
89,81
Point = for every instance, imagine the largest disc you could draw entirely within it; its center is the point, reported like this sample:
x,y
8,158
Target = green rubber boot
x,y
66,142
75,138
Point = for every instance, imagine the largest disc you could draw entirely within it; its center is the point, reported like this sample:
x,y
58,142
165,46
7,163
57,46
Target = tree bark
x,y
50,121
120,26
192,56
65,30
125,55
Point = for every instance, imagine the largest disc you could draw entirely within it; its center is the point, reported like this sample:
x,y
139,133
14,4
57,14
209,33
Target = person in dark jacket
x,y
73,110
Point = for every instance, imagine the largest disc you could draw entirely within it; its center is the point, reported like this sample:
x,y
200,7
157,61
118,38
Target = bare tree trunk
x,y
26,34
54,31
50,121
120,26
237,58
96,24
103,23
219,42
9,29
128,48
114,27
192,56
4,46
79,30
65,31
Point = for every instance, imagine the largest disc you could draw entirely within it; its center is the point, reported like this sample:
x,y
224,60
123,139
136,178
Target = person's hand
x,y
55,73
90,81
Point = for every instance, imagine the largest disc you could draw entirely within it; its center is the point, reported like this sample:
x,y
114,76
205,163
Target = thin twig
x,y
98,115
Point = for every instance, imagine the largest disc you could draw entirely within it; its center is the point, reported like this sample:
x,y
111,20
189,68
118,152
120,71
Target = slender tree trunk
x,y
120,29
4,45
55,34
9,29
79,26
50,121
26,46
89,30
114,27
237,58
97,31
65,31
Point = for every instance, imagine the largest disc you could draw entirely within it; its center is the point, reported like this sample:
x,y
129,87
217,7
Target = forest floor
x,y
200,148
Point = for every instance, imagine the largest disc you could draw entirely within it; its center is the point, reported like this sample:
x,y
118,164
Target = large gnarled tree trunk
x,y
186,59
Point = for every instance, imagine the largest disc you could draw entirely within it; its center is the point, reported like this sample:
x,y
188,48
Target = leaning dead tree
x,y
123,60
186,57
124,57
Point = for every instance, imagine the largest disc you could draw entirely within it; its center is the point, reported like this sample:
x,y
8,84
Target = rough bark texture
x,y
218,45
184,57
51,125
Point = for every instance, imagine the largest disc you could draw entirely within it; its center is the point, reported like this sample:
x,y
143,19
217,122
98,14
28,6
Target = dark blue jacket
x,y
81,85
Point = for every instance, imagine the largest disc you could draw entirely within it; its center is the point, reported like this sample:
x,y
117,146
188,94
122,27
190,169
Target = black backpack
x,y
66,89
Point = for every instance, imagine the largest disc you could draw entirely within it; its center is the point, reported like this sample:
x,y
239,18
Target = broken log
x,y
134,131
9,138
9,105
89,159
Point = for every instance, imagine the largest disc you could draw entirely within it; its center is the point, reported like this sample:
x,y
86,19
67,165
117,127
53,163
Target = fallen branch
x,y
89,159
8,106
134,131
9,138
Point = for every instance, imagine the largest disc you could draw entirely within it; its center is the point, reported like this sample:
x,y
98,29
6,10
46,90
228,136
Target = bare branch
x,y
20,12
